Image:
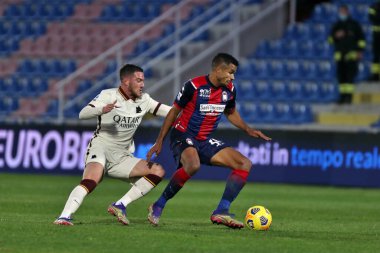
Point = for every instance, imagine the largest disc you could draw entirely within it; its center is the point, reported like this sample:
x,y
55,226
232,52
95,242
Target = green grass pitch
x,y
305,219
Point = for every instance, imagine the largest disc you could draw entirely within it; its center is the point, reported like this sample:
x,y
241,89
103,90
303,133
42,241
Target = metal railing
x,y
173,42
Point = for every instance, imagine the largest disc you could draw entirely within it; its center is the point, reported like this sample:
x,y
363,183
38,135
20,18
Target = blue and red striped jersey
x,y
202,106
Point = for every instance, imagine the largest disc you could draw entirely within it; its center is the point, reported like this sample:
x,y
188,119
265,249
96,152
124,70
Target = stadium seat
x,y
326,70
311,91
245,90
329,92
301,113
309,70
293,70
279,91
249,111
276,69
265,113
260,69
282,113
262,91
295,91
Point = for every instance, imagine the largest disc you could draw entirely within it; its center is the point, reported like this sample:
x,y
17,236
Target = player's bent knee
x,y
158,170
245,164
192,168
88,184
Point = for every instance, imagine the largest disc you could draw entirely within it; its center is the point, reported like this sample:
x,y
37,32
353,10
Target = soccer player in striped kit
x,y
194,116
110,152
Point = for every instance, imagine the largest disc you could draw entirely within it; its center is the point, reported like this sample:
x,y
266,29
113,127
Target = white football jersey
x,y
117,127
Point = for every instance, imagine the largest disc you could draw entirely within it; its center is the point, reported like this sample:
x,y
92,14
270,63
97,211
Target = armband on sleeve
x,y
161,110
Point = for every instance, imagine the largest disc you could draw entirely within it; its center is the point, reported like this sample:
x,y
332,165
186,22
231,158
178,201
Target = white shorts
x,y
117,163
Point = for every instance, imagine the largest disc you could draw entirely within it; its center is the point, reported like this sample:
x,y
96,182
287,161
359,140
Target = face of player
x,y
225,73
134,85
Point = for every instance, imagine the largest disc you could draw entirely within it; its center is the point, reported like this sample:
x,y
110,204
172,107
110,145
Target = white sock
x,y
140,188
74,201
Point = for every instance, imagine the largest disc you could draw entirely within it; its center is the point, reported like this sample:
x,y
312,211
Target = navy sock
x,y
235,182
176,183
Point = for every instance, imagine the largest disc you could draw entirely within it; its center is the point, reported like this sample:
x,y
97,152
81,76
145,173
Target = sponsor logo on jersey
x,y
211,108
224,96
204,93
127,122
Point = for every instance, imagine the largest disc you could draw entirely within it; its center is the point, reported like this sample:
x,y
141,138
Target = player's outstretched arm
x,y
234,117
168,122
158,109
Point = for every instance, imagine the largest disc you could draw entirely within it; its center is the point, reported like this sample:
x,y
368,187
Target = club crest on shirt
x,y
189,141
204,93
224,96
138,109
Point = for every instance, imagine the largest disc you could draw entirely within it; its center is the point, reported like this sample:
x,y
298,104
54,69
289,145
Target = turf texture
x,y
305,218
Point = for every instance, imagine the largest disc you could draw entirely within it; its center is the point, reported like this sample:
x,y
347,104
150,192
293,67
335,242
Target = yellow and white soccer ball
x,y
258,218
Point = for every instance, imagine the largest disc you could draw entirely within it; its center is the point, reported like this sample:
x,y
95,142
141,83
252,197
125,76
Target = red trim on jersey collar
x,y
125,96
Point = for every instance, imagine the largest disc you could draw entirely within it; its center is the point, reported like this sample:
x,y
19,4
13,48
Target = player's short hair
x,y
129,69
221,58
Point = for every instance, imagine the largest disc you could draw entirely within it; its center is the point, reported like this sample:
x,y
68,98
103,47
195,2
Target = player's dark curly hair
x,y
224,58
129,69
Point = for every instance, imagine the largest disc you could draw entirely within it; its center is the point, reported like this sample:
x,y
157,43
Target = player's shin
x,y
235,182
76,197
140,188
176,183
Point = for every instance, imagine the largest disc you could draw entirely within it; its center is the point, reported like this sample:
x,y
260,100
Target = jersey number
x,y
215,142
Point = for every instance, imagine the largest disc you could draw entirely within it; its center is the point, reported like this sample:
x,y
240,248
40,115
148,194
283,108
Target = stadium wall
x,y
301,157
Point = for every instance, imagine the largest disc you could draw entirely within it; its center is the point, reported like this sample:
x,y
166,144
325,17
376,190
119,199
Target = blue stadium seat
x,y
306,49
311,91
262,91
360,13
282,113
295,91
323,50
277,69
279,91
262,50
291,49
319,31
245,71
8,105
249,111
325,13
364,71
276,48
52,110
9,86
265,113
39,85
326,70
301,113
293,70
83,86
298,31
309,70
245,90
260,69
329,92
24,87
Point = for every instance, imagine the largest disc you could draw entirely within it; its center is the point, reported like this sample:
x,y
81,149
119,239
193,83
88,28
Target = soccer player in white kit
x,y
110,152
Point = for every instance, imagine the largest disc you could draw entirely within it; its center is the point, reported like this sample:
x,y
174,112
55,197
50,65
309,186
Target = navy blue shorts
x,y
206,149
